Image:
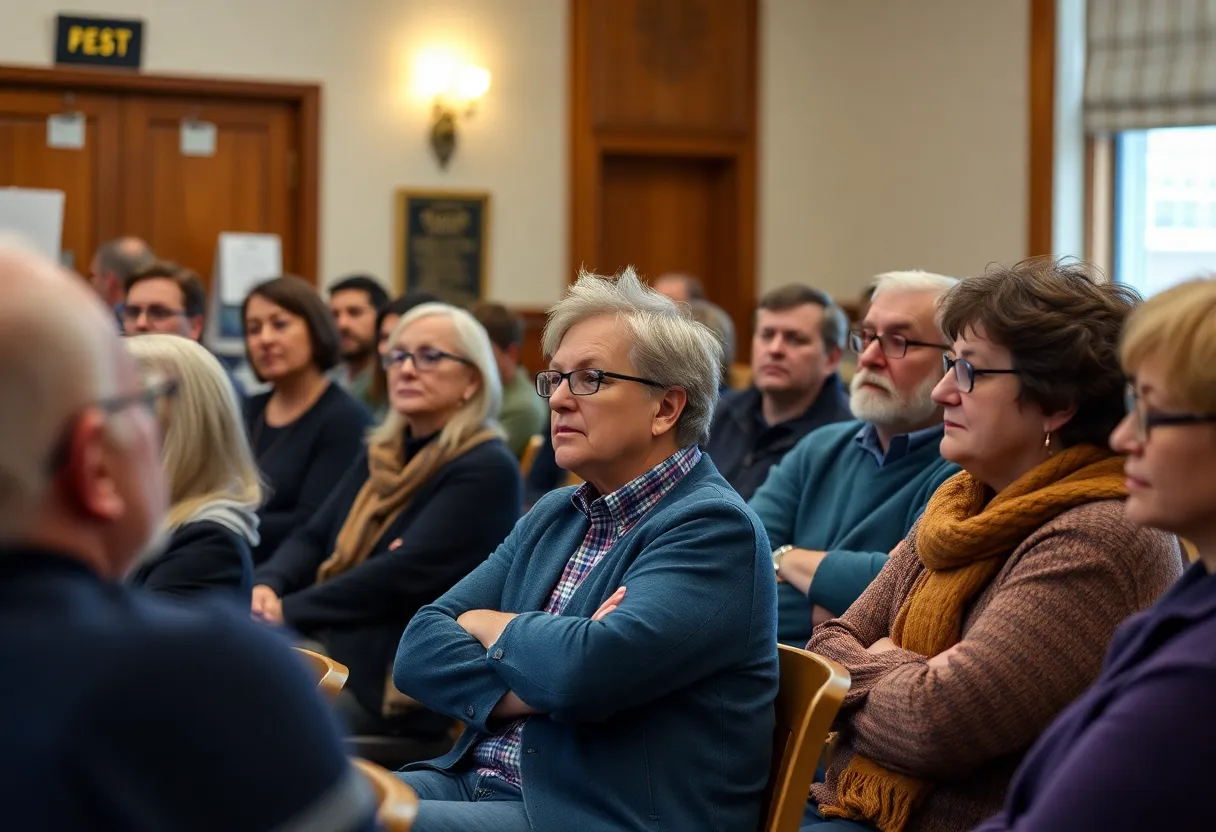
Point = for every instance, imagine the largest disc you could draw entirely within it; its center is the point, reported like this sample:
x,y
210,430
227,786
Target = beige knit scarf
x,y
963,544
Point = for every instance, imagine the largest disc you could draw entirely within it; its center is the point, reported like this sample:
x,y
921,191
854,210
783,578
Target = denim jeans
x,y
463,801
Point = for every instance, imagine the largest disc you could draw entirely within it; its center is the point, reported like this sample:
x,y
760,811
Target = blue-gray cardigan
x,y
660,716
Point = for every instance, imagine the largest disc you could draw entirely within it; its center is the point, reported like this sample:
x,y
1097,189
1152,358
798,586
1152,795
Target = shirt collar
x,y
899,446
630,503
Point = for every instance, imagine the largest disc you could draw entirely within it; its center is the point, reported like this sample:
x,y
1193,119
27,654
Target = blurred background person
x,y
112,264
432,496
680,287
714,317
213,482
306,431
524,414
355,302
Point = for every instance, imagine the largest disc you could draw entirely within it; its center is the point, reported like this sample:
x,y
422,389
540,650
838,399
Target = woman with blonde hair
x,y
214,486
432,495
1149,714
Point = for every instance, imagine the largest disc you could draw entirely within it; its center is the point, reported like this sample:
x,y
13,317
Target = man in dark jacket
x,y
797,346
124,712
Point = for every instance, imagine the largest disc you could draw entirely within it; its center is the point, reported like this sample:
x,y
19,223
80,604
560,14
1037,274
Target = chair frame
x,y
397,802
331,675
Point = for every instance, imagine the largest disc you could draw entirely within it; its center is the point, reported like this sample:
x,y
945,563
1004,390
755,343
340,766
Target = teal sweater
x,y
829,494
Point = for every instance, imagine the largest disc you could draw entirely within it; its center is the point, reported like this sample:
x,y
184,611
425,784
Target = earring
x,y
1047,443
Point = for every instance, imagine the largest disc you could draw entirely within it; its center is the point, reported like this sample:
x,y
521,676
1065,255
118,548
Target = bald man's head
x,y
114,262
64,427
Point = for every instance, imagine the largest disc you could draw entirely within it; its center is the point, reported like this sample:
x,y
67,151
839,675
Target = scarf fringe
x,y
869,793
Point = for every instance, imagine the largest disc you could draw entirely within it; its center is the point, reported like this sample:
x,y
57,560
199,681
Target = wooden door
x,y
88,176
180,203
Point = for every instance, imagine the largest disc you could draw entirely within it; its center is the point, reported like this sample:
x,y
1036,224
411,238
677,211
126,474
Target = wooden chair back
x,y
398,802
812,689
529,455
331,675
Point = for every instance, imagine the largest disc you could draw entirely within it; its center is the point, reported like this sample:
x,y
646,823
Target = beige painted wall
x,y
893,134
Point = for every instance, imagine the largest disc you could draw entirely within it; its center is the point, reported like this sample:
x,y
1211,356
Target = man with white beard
x,y
847,493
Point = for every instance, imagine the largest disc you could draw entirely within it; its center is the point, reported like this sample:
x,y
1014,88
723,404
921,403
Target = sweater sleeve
x,y
338,442
1155,726
440,546
842,576
869,619
776,501
294,564
1036,645
685,616
257,734
203,558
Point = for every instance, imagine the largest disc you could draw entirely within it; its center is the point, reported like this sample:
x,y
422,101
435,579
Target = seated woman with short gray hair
x,y
615,659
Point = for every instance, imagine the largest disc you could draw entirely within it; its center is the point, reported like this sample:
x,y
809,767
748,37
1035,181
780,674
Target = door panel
x,y
180,204
87,176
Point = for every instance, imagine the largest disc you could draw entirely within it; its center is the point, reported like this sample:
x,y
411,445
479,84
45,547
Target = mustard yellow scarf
x,y
963,544
390,486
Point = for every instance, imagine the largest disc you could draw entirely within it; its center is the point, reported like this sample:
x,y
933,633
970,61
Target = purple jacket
x,y
1135,750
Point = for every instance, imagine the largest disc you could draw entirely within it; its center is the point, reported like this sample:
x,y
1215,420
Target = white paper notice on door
x,y
198,138
65,131
36,216
245,260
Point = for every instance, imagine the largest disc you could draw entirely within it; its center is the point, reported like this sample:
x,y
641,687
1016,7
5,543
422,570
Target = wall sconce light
x,y
455,91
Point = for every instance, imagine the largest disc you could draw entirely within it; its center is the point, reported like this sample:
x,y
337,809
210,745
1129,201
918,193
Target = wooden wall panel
x,y
679,65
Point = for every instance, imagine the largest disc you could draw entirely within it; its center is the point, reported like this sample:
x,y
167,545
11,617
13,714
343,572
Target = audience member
x,y
524,414
214,488
714,317
795,389
112,264
396,534
122,709
164,298
1149,712
680,287
615,659
306,431
995,610
386,321
355,302
847,493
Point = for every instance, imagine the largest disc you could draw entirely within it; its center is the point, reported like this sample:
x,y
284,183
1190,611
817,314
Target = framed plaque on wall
x,y
442,242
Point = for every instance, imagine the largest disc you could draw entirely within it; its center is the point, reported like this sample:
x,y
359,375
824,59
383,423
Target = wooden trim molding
x,y
1042,125
305,97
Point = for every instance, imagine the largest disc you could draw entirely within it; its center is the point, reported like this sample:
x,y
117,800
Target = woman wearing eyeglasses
x,y
435,491
214,486
1148,715
996,609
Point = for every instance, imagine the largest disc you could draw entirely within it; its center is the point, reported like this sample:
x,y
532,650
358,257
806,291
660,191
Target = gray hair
x,y
668,346
472,342
713,316
913,280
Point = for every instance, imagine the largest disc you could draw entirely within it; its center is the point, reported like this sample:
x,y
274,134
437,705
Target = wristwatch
x,y
779,555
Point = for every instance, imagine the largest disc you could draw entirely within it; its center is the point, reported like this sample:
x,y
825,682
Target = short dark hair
x,y
1061,323
835,324
124,257
505,328
376,293
298,297
194,296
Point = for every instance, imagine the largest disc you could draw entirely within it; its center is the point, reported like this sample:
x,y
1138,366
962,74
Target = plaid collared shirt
x,y
611,516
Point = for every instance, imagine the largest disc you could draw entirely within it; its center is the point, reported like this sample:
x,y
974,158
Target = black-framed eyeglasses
x,y
582,382
1145,419
425,359
965,372
155,312
149,398
891,344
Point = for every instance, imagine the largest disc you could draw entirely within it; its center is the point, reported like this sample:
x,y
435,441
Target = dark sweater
x,y
452,524
201,557
1145,728
744,448
125,712
302,461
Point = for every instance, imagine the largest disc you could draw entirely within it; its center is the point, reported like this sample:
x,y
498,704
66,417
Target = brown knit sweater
x,y
1031,643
